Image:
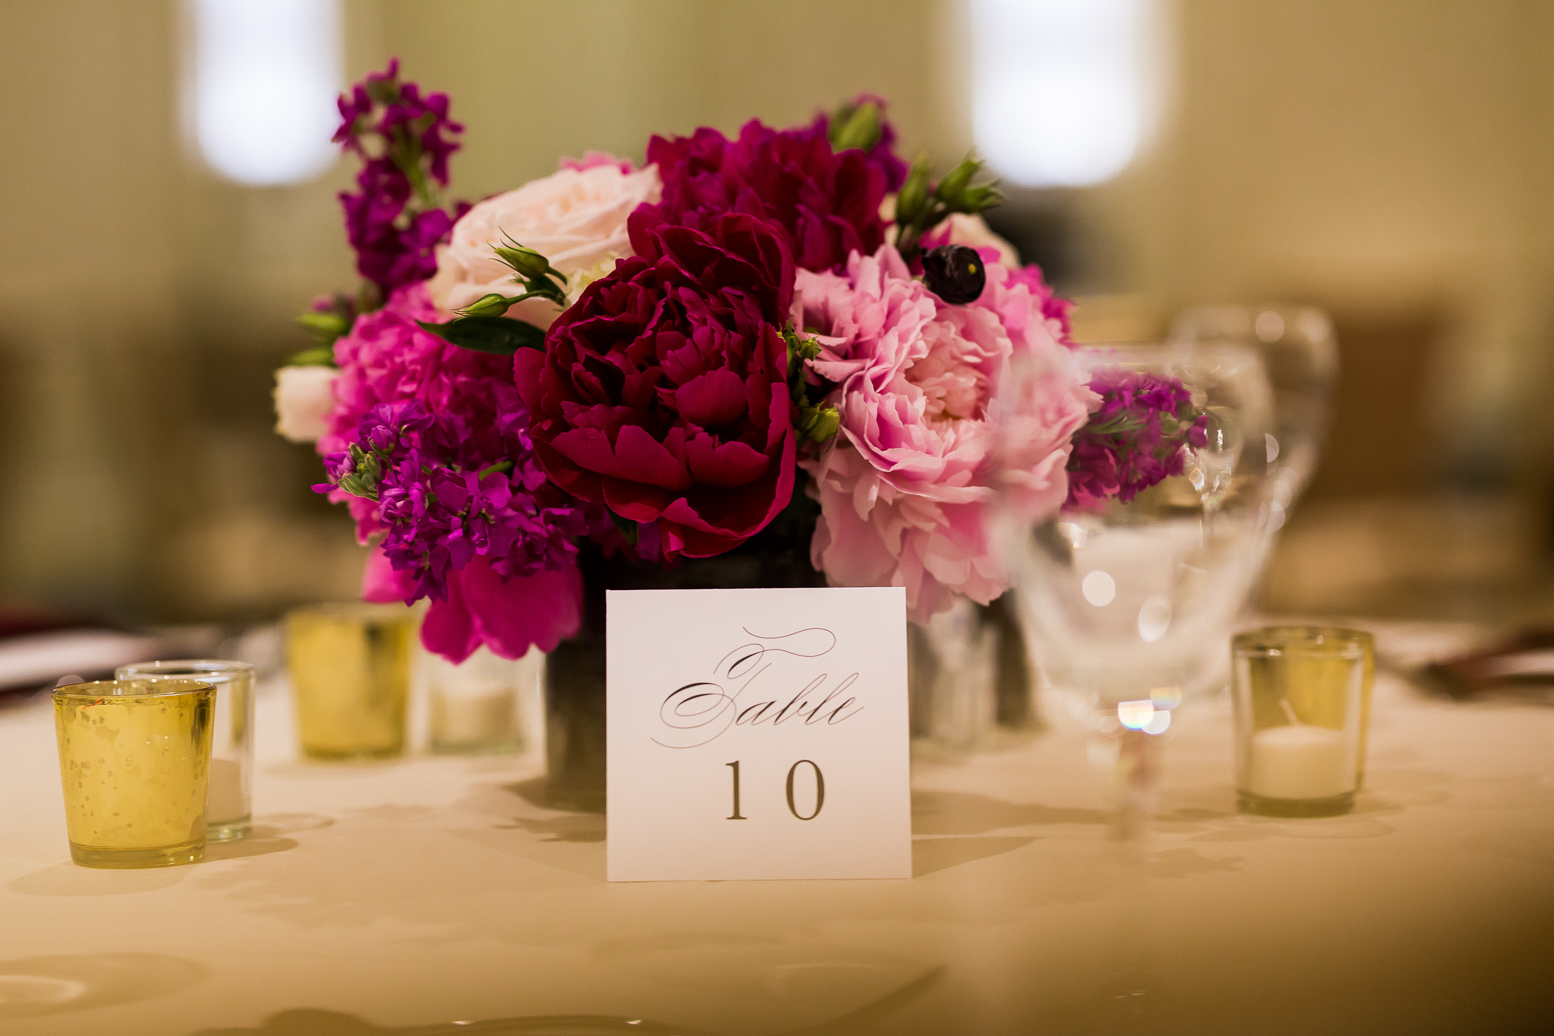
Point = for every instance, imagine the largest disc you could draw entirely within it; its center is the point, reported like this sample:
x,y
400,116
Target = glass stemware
x,y
1131,605
1300,355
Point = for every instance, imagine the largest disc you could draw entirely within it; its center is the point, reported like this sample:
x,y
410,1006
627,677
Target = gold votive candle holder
x,y
229,794
1301,696
134,760
350,677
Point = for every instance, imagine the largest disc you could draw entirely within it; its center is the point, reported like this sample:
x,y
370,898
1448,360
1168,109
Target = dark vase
x,y
778,556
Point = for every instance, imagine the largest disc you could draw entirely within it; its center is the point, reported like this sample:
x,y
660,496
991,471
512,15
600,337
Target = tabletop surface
x,y
438,895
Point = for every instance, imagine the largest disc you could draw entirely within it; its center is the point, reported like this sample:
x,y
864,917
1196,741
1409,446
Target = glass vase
x,y
574,680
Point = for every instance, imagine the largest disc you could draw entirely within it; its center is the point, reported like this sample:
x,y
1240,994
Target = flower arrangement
x,y
784,335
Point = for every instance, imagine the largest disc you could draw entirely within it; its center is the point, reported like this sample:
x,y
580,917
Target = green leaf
x,y
500,335
318,356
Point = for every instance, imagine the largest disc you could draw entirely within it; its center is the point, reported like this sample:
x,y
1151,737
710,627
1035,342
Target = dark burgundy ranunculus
x,y
662,392
824,204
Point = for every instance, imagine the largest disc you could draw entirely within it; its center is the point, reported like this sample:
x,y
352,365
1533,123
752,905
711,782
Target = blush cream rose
x,y
576,218
304,397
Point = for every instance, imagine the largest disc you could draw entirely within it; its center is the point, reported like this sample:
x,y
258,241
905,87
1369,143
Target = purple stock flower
x,y
394,220
449,492
1135,439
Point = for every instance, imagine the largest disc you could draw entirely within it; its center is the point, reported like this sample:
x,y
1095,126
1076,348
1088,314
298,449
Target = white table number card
x,y
758,734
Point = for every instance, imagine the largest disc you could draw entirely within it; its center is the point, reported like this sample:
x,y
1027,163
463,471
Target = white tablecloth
x,y
434,895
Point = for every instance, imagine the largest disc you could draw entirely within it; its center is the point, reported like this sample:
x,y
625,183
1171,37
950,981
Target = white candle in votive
x,y
473,715
1299,762
224,794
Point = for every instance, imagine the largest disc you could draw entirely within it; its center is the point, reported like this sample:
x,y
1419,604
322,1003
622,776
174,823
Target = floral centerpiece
x,y
787,343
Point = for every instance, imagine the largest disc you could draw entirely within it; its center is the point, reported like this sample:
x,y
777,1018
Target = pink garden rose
x,y
575,217
905,486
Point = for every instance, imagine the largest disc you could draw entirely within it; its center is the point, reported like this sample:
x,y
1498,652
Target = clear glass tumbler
x,y
1302,699
228,800
350,675
474,705
134,759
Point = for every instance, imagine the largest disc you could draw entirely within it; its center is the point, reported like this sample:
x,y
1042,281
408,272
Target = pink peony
x,y
904,488
575,217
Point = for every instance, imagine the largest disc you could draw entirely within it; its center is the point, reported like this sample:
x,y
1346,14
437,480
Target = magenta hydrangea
x,y
1136,438
823,204
460,494
405,138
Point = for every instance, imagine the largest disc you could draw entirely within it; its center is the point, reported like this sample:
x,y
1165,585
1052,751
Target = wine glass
x,y
1300,355
1131,605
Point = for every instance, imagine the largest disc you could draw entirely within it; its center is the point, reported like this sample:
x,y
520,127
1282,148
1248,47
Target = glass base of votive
x,y
1334,806
507,746
352,755
128,859
228,830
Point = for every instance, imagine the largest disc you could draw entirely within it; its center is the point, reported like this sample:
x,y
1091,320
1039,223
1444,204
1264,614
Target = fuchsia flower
x,y
1135,438
439,509
506,615
904,488
661,393
824,205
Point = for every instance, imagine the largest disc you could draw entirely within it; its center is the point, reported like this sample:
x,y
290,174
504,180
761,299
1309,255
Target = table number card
x,y
758,734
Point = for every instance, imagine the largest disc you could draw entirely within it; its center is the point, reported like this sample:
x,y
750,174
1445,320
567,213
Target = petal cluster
x,y
823,204
461,496
905,487
662,394
575,217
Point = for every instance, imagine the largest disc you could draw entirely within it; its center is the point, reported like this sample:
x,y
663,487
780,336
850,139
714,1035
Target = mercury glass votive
x,y
1302,705
134,760
350,675
228,799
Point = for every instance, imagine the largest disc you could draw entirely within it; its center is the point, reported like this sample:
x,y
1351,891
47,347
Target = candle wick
x,y
1289,712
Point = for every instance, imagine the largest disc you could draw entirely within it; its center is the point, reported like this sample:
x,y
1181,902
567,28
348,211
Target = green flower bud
x,y
980,198
855,127
525,262
956,180
363,479
492,305
818,423
912,200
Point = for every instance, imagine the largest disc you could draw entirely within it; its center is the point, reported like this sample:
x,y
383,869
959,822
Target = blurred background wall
x,y
1391,161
